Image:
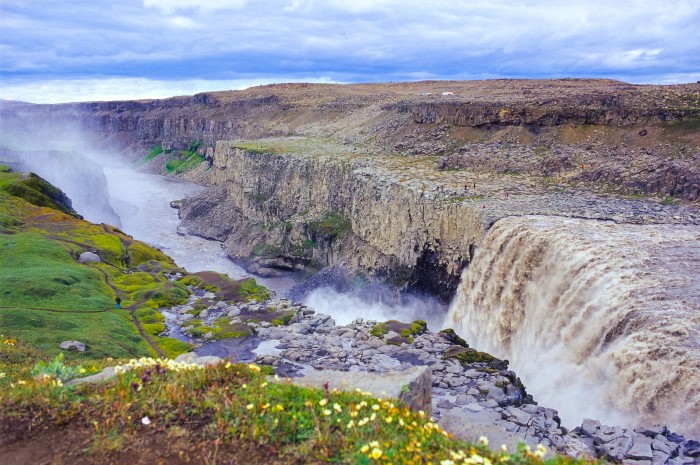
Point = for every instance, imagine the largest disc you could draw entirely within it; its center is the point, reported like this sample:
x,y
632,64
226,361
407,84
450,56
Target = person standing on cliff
x,y
118,300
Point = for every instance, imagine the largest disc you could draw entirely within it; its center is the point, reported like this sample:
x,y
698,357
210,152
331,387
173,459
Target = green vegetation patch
x,y
4,168
333,224
466,355
154,152
35,190
185,160
453,337
38,272
406,331
251,290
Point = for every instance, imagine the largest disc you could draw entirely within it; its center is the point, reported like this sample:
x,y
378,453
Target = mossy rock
x,y
467,356
452,337
406,330
37,191
284,318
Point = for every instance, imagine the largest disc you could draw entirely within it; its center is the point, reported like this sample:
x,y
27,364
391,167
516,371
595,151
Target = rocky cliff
x,y
403,179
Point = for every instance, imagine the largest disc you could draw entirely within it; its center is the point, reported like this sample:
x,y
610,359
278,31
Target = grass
x,y
154,152
47,297
185,160
257,147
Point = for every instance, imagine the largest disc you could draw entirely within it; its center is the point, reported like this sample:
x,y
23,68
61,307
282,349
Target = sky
x,y
86,50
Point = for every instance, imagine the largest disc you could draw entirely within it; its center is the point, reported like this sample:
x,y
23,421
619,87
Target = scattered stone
x,y
77,345
89,257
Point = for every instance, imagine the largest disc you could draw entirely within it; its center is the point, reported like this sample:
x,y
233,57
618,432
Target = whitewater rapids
x,y
600,320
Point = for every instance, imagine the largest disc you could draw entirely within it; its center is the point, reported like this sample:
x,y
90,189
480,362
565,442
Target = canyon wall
x,y
274,206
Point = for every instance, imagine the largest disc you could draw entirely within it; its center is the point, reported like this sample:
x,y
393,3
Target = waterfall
x,y
600,320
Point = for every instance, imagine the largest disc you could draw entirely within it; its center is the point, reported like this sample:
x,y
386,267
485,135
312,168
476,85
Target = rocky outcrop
x,y
473,394
328,211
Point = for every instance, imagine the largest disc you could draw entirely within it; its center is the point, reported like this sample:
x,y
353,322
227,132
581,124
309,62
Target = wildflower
x,y
351,424
250,406
376,453
322,402
228,365
363,422
266,405
145,421
504,448
2,375
374,415
279,407
326,412
263,384
447,462
540,451
484,441
254,367
374,444
82,370
401,422
353,414
388,419
375,407
364,448
337,408
244,386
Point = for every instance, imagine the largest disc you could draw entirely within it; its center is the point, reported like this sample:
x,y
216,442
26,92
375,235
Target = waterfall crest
x,y
600,320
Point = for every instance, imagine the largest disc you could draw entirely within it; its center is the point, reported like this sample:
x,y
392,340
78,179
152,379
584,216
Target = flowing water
x,y
600,320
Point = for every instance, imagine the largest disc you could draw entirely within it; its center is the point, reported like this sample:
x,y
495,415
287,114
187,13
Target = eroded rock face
x,y
272,202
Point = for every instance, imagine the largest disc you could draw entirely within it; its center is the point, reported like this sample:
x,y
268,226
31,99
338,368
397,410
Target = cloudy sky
x,y
77,50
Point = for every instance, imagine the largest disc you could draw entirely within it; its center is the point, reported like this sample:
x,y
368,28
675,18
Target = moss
x,y
251,290
466,356
172,347
153,328
284,319
452,337
4,168
37,191
379,330
333,225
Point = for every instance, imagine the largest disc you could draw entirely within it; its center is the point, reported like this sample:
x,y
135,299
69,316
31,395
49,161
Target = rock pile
x,y
473,393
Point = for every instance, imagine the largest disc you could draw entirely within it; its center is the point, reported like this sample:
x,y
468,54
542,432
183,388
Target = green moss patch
x,y
333,224
467,356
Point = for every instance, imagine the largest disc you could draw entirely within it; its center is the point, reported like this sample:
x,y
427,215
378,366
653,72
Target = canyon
x,y
425,192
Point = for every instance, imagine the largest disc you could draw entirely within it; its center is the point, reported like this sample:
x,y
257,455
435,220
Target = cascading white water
x,y
600,320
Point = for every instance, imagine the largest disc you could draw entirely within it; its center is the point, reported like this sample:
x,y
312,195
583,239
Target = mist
x,y
345,307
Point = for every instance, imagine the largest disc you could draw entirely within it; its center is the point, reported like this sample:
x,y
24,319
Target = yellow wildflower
x,y
364,448
326,412
337,408
374,415
228,365
250,406
484,441
374,444
388,419
351,424
322,402
279,407
254,367
376,453
375,407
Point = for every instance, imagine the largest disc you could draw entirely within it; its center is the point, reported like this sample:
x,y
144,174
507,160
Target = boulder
x,y
89,257
412,386
77,345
